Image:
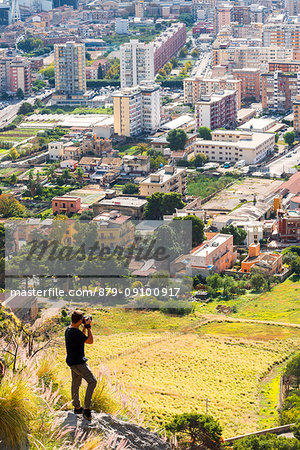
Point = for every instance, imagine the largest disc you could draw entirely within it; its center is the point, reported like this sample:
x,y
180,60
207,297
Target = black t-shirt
x,y
75,340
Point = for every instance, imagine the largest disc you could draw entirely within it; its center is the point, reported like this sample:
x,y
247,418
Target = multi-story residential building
x,y
122,26
214,255
279,90
20,76
284,66
296,108
282,35
92,70
136,164
114,229
224,16
140,61
234,146
136,63
137,109
217,111
241,14
167,179
56,150
70,75
168,44
269,263
66,205
129,206
292,7
93,145
289,226
250,81
195,88
139,9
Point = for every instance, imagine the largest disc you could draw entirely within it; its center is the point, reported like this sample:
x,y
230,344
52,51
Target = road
x,y
8,113
286,162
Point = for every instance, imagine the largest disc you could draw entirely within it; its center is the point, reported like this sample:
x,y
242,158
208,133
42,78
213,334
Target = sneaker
x,y
87,414
78,410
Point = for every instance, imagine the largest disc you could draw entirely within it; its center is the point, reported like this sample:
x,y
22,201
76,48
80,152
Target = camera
x,y
85,319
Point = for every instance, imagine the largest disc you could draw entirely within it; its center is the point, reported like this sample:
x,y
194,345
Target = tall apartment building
x,y
292,7
289,226
15,73
217,111
224,16
137,109
282,35
195,88
284,66
20,76
296,110
136,63
140,61
250,81
279,90
70,72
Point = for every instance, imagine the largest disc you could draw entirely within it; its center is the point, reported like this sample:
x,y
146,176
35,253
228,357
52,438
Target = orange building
x,y
250,79
270,263
66,205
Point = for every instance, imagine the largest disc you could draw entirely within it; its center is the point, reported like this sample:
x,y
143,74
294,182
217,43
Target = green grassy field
x,y
281,304
202,186
18,134
173,364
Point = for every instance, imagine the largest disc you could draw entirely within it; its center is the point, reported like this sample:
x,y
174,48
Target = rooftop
x,y
209,246
123,201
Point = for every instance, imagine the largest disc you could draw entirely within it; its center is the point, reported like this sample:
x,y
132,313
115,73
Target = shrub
x,y
178,308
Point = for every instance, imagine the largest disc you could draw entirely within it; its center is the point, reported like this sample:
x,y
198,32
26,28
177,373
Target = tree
x,y
100,72
276,138
198,430
66,175
257,282
205,133
25,108
186,18
295,265
195,53
10,207
183,52
130,188
13,178
79,174
266,442
239,234
199,160
13,154
177,139
197,229
174,62
289,138
293,369
19,93
160,204
156,163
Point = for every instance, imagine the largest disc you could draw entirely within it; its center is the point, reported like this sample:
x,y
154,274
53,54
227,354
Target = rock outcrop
x,y
137,437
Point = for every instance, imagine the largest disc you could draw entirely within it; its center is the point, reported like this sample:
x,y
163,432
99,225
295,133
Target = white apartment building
x,y
137,109
70,75
56,150
233,146
136,63
168,179
122,26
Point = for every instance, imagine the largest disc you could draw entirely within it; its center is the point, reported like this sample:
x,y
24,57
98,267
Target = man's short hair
x,y
76,316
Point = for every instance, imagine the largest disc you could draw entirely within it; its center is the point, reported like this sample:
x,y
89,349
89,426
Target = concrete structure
x,y
279,90
114,229
250,81
20,75
122,26
289,226
296,110
139,9
258,125
214,255
292,7
295,202
140,61
195,88
129,206
234,146
224,16
216,111
137,110
136,164
66,205
70,74
284,66
282,35
168,179
55,149
269,263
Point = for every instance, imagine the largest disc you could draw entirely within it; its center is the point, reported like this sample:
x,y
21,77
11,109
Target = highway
x,y
286,162
8,113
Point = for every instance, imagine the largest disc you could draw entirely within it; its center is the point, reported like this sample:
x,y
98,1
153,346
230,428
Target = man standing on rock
x,y
75,340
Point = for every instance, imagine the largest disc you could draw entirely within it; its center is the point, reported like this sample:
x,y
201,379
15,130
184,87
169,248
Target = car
x,y
289,155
